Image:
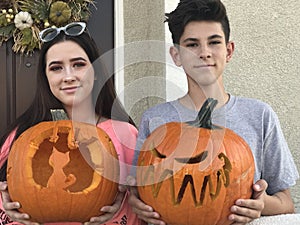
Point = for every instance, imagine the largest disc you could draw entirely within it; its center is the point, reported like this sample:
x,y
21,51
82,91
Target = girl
x,y
70,78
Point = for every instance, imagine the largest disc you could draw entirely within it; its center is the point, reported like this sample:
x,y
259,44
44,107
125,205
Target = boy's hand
x,y
246,210
11,208
143,211
109,211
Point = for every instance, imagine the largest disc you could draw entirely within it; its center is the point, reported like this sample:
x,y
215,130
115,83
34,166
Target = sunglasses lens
x,y
74,29
48,34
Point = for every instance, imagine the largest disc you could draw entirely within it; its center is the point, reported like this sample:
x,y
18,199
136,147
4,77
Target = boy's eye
x,y
215,42
191,45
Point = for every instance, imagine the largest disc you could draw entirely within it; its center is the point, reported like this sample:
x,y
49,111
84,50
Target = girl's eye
x,y
79,64
55,68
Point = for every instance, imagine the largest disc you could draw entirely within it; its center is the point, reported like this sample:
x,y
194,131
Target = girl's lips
x,y
70,89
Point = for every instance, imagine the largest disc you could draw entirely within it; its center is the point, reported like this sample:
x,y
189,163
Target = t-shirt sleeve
x,y
123,136
143,133
279,169
3,157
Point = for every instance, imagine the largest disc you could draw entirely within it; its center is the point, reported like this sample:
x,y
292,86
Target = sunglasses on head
x,y
71,29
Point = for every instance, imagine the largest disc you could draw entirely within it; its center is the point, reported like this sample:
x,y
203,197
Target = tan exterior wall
x,y
266,61
144,68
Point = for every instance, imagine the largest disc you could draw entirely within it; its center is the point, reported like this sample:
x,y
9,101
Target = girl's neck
x,y
83,114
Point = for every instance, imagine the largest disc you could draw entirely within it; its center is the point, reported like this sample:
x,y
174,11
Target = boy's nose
x,y
204,52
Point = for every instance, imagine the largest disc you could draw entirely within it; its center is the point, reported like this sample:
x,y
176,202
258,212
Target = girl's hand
x,y
11,208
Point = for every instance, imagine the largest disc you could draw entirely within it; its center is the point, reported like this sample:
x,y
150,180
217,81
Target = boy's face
x,y
203,52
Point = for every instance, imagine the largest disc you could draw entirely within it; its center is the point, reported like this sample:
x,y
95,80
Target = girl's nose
x,y
69,79
69,76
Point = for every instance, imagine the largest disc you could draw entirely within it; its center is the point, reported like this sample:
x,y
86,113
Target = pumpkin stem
x,y
58,114
203,119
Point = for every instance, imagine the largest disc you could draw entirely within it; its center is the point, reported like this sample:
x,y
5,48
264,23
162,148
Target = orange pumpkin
x,y
192,173
63,171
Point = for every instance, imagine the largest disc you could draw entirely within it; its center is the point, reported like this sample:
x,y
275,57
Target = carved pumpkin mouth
x,y
211,183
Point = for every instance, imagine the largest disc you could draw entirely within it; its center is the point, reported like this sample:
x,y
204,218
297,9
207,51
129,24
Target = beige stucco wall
x,y
144,68
265,64
266,61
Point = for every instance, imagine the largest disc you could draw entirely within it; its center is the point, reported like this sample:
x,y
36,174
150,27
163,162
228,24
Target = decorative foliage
x,y
22,20
192,173
55,167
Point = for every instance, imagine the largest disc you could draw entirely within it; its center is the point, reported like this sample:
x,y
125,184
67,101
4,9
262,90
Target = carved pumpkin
x,y
192,173
63,171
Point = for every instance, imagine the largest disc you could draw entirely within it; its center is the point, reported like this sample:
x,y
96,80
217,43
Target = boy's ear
x,y
230,50
174,52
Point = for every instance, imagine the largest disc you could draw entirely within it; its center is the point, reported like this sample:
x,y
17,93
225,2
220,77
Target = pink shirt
x,y
123,136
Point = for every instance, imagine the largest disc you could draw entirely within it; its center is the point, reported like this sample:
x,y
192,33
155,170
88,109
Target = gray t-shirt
x,y
253,120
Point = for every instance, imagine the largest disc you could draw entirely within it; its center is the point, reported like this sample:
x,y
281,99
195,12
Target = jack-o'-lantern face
x,y
61,165
192,175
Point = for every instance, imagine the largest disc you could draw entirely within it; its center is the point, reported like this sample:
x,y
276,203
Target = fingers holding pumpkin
x,y
246,210
11,208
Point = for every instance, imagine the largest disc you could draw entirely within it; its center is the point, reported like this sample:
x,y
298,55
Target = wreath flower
x,y
60,12
22,20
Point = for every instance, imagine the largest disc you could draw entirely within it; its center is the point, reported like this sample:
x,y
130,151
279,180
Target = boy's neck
x,y
196,96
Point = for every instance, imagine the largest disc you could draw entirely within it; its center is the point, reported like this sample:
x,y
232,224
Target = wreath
x,y
22,20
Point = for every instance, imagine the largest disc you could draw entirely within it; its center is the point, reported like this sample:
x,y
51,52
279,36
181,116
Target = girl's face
x,y
70,74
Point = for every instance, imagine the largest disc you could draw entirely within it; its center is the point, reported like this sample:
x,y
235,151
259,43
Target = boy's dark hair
x,y
197,10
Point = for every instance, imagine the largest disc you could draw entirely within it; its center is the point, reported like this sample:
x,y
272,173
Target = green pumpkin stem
x,y
204,117
58,114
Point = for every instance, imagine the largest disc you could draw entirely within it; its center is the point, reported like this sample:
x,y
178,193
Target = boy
x,y
200,32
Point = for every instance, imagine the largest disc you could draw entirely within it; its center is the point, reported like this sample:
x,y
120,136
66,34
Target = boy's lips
x,y
204,65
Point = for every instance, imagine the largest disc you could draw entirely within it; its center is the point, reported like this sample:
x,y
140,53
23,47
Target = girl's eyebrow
x,y
71,60
54,63
77,59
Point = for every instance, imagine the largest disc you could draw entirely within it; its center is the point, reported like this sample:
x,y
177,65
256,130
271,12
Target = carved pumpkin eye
x,y
190,195
193,160
157,153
